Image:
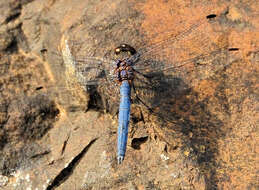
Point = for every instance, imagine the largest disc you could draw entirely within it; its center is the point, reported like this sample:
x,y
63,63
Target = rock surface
x,y
54,135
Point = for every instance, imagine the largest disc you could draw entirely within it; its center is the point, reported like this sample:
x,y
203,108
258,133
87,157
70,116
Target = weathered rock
x,y
3,180
202,134
6,40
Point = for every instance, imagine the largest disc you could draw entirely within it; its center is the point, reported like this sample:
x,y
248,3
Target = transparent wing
x,y
196,44
90,73
170,68
192,54
88,70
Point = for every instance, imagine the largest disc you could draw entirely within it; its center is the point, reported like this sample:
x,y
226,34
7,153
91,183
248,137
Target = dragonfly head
x,y
125,48
117,50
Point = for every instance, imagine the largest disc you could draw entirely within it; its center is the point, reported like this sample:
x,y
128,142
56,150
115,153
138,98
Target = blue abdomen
x,y
124,117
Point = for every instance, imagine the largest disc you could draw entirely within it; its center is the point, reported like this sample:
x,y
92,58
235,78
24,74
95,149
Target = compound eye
x,y
117,50
125,48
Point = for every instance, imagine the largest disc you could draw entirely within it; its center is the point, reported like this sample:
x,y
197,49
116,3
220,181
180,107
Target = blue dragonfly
x,y
192,54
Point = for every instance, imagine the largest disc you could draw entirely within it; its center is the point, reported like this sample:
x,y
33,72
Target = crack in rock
x,y
65,144
41,154
67,171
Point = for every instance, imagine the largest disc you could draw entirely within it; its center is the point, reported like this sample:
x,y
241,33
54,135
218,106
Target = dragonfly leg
x,y
138,98
149,108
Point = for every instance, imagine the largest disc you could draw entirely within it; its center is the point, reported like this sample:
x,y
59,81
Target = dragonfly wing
x,y
172,67
88,70
197,47
189,70
92,73
103,79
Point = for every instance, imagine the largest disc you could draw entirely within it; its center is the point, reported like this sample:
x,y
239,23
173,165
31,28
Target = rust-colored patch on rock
x,y
205,88
161,16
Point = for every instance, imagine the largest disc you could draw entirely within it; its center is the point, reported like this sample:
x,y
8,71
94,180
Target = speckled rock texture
x,y
202,133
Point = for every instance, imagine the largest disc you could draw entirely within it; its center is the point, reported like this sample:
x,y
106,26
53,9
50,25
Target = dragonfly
x,y
186,57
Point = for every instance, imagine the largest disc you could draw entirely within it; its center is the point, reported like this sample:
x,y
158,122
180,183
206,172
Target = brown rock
x,y
202,133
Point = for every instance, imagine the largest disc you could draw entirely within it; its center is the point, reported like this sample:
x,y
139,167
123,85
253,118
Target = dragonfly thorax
x,y
124,71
